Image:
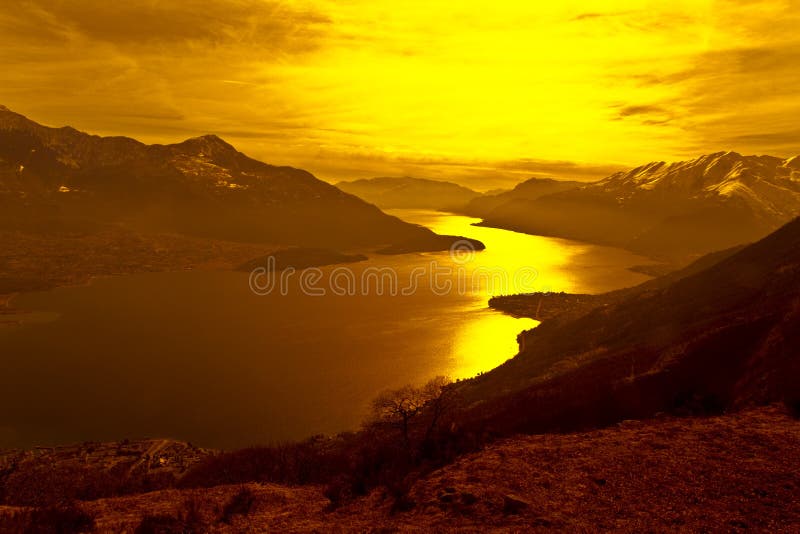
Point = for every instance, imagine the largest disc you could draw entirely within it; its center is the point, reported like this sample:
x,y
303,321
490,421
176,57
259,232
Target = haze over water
x,y
197,356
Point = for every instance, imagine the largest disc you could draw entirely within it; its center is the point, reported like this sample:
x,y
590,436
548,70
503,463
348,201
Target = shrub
x,y
190,521
66,518
240,504
47,485
793,406
160,524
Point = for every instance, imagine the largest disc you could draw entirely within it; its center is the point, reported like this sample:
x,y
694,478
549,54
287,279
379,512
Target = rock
x,y
468,498
513,505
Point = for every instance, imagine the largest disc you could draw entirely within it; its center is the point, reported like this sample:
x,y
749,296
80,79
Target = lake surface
x,y
199,356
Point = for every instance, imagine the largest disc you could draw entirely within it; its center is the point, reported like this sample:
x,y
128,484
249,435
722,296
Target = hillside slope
x,y
731,473
717,337
60,179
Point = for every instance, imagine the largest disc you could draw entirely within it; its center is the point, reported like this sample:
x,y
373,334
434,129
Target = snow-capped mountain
x,y
673,210
767,185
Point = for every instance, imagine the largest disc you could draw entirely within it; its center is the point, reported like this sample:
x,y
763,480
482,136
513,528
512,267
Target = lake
x,y
199,356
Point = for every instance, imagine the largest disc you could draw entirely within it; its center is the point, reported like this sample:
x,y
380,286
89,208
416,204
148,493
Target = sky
x,y
482,93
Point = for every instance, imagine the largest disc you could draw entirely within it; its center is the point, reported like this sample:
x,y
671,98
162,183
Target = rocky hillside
x,y
58,179
719,335
411,193
732,473
670,210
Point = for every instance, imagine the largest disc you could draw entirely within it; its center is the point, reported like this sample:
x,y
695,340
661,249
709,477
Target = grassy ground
x,y
726,473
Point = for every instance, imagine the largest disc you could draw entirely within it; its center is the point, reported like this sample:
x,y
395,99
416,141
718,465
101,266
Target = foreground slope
x,y
672,210
728,473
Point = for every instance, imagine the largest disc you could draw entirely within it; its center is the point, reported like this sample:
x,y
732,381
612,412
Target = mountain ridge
x,y
55,178
675,210
530,189
410,192
714,338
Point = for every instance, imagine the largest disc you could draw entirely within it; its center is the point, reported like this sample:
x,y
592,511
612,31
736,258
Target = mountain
x,y
717,336
525,191
409,192
59,179
675,211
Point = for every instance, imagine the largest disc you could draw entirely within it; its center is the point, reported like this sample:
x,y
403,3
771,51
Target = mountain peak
x,y
208,144
3,108
793,163
209,139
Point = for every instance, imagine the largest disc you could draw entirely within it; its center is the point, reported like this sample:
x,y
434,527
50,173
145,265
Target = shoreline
x,y
483,304
658,267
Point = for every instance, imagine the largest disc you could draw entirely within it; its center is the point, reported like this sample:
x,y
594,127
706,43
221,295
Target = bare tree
x,y
400,406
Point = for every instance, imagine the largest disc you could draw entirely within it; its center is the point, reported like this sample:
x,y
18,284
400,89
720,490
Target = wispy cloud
x,y
356,88
595,15
169,22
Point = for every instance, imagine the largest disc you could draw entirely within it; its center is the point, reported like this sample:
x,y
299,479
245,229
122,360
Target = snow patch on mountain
x,y
766,185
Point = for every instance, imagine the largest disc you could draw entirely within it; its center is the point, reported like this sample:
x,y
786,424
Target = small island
x,y
300,258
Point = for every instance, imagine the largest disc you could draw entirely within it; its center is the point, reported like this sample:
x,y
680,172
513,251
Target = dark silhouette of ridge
x,y
407,192
60,179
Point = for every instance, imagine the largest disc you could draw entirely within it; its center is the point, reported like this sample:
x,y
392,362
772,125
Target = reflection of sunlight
x,y
485,341
485,338
511,253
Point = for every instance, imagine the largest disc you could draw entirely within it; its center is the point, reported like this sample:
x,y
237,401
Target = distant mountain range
x,y
60,179
409,192
673,210
525,191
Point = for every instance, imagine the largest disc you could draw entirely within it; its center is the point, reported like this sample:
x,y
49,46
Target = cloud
x,y
599,15
640,110
333,166
634,19
739,98
170,22
148,68
627,111
362,87
786,142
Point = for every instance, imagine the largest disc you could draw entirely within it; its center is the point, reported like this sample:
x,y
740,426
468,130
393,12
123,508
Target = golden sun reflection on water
x,y
486,341
515,263
558,264
299,364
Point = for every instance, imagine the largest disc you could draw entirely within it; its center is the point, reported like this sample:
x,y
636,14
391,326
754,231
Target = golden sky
x,y
486,93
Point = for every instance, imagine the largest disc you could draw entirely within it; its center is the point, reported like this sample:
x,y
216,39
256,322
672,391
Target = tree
x,y
400,407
